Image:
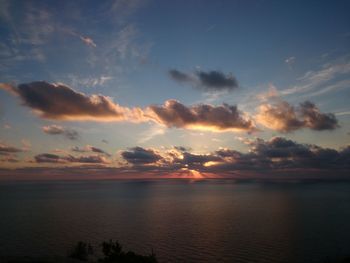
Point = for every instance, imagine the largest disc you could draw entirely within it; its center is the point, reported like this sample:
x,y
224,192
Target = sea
x,y
179,220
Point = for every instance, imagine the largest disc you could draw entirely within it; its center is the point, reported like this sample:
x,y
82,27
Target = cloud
x,y
280,116
121,9
208,81
89,82
10,159
200,117
140,156
287,154
280,156
191,160
49,158
339,85
290,61
26,144
88,159
59,130
217,80
180,76
182,148
6,149
88,41
266,158
54,158
98,150
152,132
320,78
9,153
7,126
316,120
89,148
60,102
284,117
277,158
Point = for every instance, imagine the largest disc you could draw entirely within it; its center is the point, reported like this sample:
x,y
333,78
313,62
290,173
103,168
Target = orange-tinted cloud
x,y
200,117
284,117
60,102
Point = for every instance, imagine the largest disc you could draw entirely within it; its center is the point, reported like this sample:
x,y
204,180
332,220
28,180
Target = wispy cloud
x,y
152,132
290,61
89,148
59,130
316,79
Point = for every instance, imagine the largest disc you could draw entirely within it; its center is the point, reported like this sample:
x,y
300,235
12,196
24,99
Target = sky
x,y
174,89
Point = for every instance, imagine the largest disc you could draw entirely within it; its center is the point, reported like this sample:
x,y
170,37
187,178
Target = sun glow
x,y
211,163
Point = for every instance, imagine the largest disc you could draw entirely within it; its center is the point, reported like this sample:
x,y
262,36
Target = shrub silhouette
x,y
113,253
81,251
340,260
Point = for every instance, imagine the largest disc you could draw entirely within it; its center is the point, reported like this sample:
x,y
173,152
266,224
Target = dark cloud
x,y
276,157
180,76
98,150
10,159
7,149
139,155
217,80
191,159
202,116
53,158
89,148
182,148
59,130
87,159
286,118
60,102
279,147
209,81
79,150
316,120
280,153
9,153
49,158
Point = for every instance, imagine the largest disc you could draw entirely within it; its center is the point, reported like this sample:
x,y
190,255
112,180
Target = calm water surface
x,y
182,221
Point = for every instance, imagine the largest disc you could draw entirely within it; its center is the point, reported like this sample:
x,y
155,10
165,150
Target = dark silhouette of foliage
x,y
113,253
81,251
111,250
340,260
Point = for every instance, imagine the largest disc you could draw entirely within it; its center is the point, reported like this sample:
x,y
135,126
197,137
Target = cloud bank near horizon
x,y
278,157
